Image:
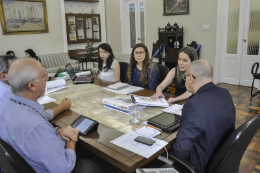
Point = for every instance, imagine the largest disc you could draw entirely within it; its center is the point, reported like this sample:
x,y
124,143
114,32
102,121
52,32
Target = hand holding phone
x,y
144,140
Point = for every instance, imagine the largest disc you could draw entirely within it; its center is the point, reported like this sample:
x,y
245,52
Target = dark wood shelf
x,y
86,31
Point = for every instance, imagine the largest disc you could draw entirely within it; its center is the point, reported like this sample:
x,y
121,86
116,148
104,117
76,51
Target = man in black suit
x,y
208,118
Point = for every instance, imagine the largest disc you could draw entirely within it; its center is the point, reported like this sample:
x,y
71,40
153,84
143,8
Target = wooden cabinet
x,y
79,54
83,27
172,42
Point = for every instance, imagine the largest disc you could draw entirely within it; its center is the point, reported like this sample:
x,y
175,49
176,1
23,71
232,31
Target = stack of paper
x,y
127,90
118,86
127,141
148,101
175,109
45,99
52,86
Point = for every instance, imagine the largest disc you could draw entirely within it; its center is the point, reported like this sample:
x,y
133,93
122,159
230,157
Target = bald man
x,y
5,89
28,131
208,118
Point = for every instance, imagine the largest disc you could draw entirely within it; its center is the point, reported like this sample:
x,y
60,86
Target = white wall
x,y
51,42
201,12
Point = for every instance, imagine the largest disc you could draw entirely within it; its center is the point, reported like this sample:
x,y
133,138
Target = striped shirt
x,y
5,91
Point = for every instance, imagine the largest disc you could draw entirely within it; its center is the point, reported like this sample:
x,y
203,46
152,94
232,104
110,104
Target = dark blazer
x,y
208,118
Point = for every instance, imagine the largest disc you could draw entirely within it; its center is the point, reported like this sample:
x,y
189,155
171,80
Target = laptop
x,y
78,80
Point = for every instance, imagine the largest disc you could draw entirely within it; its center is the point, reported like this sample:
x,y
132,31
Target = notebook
x,y
118,86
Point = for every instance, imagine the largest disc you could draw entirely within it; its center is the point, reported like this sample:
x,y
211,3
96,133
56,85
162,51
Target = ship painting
x,y
23,15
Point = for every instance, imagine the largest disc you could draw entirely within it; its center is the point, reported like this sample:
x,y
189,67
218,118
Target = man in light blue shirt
x,y
29,132
5,90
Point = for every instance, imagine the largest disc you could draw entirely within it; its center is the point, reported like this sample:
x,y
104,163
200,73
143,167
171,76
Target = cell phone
x,y
144,140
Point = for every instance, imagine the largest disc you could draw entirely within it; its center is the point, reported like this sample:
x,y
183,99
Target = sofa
x,y
52,62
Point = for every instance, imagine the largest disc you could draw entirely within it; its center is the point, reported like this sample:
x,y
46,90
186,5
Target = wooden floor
x,y
245,109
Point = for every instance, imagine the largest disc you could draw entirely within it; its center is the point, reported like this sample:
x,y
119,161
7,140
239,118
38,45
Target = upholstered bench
x,y
52,62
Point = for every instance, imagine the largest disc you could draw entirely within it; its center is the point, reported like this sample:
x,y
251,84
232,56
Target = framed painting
x,y
23,16
175,7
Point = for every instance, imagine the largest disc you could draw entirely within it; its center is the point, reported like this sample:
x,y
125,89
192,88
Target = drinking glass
x,y
135,115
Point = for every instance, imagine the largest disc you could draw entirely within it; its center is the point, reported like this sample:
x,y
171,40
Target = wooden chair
x,y
255,76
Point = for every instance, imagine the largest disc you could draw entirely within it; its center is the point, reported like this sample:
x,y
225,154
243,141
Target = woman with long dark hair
x,y
175,77
108,66
29,53
142,71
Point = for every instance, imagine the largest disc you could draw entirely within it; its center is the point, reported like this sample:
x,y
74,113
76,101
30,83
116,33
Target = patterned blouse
x,y
153,77
37,59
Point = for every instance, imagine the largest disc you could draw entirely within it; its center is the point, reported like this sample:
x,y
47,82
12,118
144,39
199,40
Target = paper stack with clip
x,y
52,86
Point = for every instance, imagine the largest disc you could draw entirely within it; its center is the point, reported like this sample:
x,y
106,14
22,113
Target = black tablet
x,y
164,120
85,125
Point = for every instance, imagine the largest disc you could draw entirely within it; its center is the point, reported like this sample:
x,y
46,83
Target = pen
x,y
153,127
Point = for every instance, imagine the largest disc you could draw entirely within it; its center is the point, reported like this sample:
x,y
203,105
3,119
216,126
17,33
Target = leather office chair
x,y
11,161
228,156
163,71
123,71
255,76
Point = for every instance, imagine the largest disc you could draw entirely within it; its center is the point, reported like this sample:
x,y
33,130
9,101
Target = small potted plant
x,y
89,49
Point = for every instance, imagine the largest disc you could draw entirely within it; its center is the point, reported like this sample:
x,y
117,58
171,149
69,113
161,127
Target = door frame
x,y
221,40
124,17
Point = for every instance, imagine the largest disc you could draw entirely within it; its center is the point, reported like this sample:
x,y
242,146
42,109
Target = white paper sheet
x,y
126,90
54,89
175,109
148,132
55,83
45,99
127,141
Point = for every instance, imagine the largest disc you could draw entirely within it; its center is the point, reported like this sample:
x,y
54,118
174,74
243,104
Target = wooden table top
x,y
99,142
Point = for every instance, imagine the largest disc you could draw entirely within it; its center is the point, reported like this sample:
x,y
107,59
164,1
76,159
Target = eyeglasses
x,y
184,76
44,76
141,53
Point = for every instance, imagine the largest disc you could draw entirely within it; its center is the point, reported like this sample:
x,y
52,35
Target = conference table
x,y
87,101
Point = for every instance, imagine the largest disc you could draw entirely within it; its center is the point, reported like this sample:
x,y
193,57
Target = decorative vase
x,y
168,27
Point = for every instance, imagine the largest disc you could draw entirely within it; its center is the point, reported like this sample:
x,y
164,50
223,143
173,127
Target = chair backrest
x,y
11,161
227,158
253,66
163,71
123,71
122,57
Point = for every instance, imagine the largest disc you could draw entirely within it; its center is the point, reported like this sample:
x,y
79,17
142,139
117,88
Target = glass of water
x,y
135,115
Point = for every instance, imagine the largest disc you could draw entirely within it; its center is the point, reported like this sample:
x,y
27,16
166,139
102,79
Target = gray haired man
x,y
29,132
5,62
5,90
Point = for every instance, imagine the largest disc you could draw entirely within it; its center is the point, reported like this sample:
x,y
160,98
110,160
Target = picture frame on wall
x,y
175,7
23,17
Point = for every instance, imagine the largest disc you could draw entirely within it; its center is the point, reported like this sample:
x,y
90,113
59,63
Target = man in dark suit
x,y
208,118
